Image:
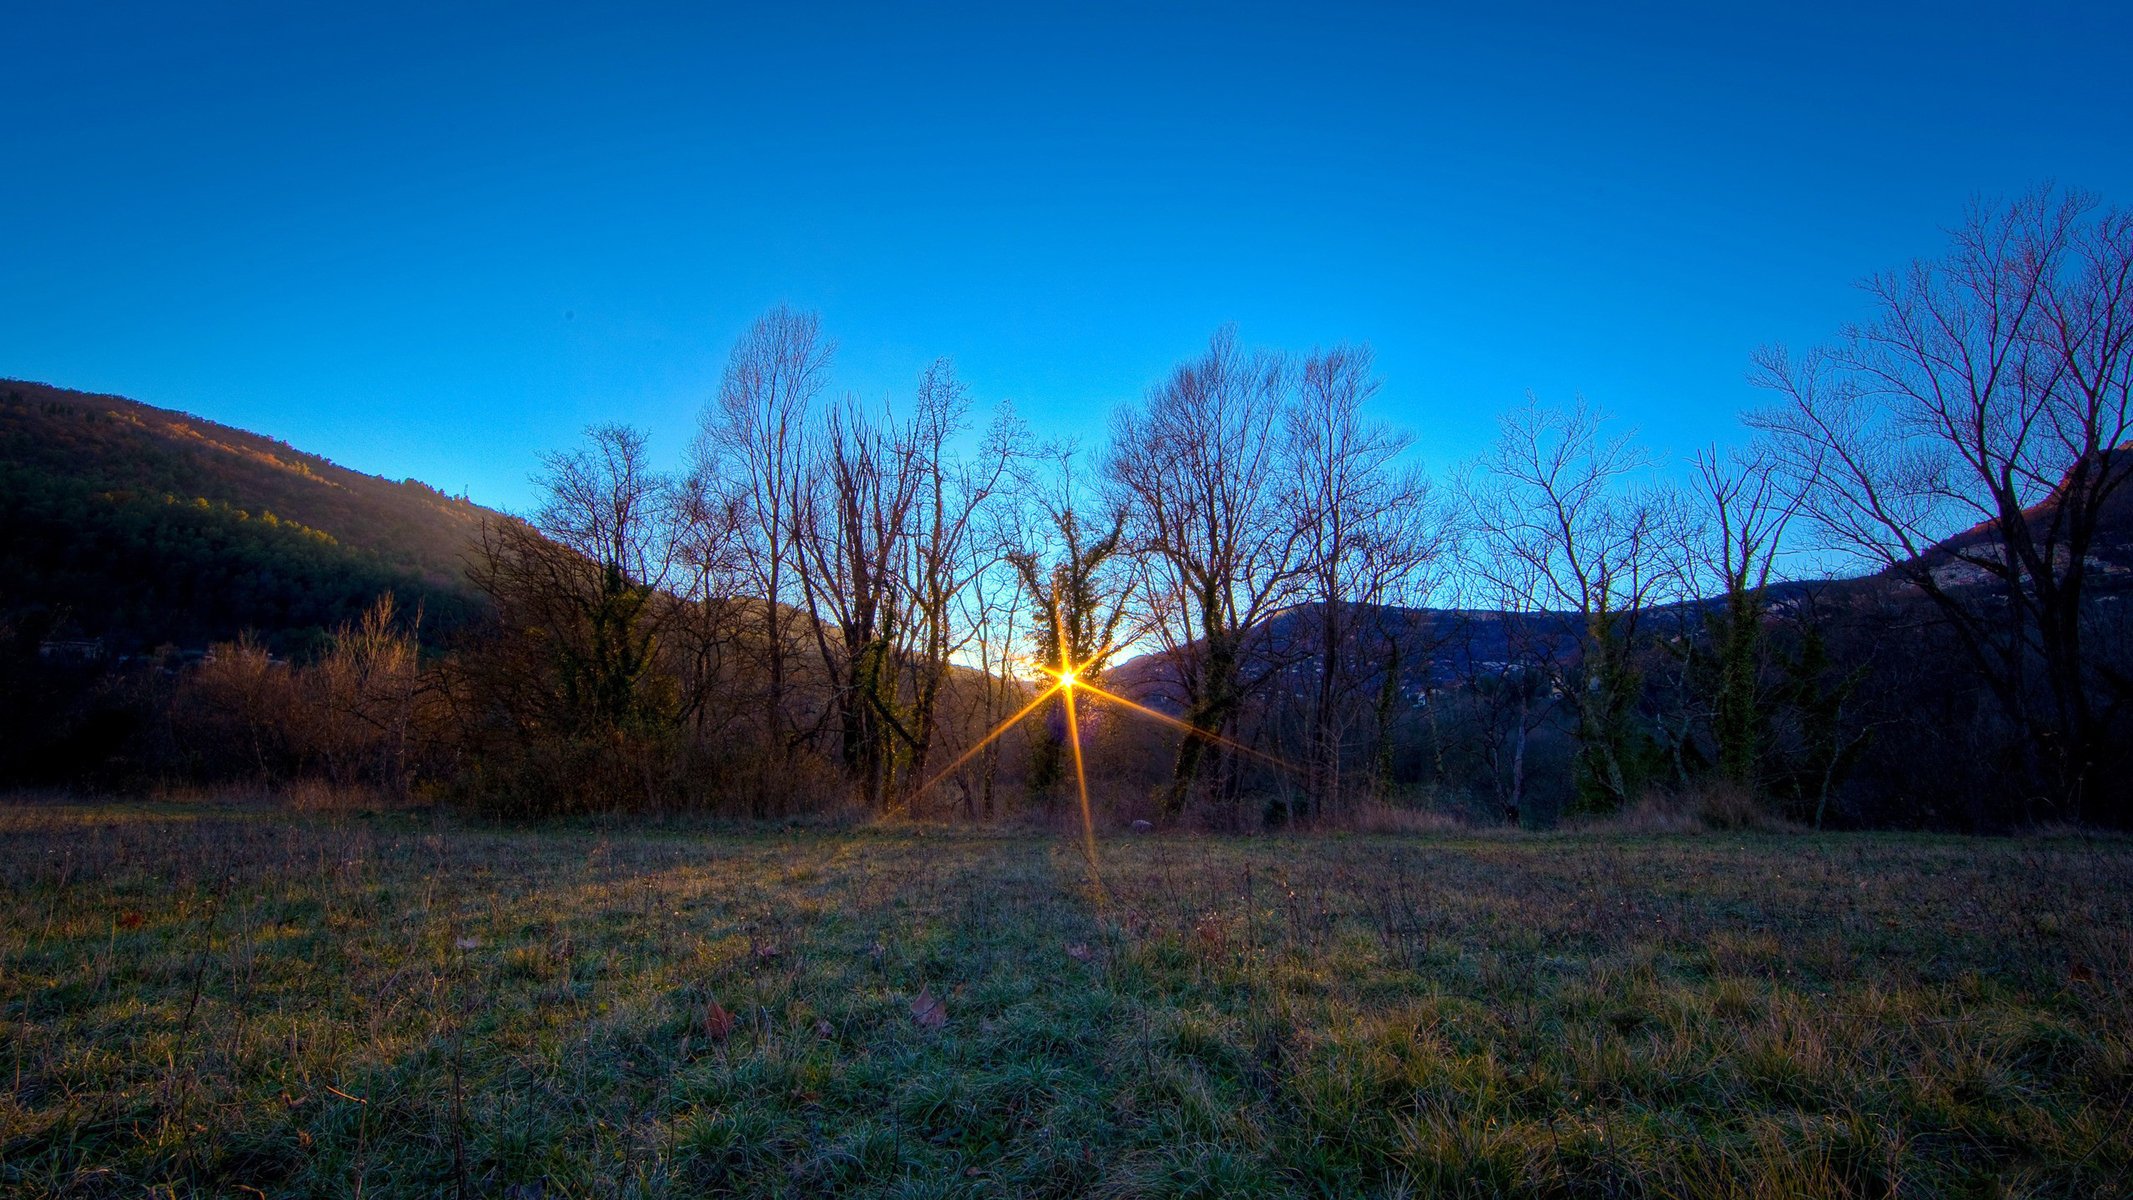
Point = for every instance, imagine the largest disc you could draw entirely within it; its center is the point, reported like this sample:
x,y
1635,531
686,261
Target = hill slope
x,y
1444,645
142,526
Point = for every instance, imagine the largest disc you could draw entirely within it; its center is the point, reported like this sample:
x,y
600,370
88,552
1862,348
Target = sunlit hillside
x,y
142,526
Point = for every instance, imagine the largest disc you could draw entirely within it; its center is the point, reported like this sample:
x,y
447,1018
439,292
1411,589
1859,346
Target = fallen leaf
x,y
717,1021
2080,972
1080,952
130,919
928,1011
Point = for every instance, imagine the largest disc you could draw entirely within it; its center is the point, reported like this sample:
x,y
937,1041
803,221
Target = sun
x,y
1066,682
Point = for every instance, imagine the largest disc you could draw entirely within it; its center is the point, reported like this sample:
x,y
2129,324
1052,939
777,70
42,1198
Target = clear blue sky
x,y
435,243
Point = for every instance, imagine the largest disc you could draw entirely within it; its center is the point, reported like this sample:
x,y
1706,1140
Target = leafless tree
x,y
568,674
1200,468
854,523
1564,523
953,543
893,534
1736,532
992,609
369,684
1370,541
605,502
753,442
1077,584
1990,392
715,609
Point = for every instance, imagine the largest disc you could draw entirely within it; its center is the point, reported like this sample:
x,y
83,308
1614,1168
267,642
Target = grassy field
x,y
216,1001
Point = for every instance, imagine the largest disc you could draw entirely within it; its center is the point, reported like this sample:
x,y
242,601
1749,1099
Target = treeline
x,y
1272,615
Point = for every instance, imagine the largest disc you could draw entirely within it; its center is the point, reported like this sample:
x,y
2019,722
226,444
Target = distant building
x,y
70,651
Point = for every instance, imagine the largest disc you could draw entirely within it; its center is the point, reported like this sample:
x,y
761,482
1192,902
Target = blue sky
x,y
435,243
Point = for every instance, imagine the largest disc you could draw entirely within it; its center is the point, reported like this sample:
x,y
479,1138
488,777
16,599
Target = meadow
x,y
227,1000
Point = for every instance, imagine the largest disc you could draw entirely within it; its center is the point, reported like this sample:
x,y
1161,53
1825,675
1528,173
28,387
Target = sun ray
x,y
1194,730
1067,679
982,742
1081,785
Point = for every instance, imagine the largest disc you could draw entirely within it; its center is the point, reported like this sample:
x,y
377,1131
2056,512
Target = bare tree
x,y
853,526
368,684
567,676
1738,531
1990,392
1200,468
1369,542
993,612
753,442
893,534
1077,584
952,545
1563,524
715,609
605,505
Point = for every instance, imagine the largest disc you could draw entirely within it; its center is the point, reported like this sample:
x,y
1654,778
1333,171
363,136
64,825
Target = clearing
x,y
204,1000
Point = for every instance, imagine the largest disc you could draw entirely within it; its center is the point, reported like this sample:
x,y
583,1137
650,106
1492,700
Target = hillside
x,y
143,526
1440,646
2110,558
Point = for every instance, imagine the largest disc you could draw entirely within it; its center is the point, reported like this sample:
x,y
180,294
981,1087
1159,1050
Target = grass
x,y
239,1002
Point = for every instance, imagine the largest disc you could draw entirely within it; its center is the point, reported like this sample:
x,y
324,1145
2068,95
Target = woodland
x,y
1895,602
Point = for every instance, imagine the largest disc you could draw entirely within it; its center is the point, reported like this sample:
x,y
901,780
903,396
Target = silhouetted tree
x,y
567,676
1202,471
1992,391
1741,512
1562,522
1078,600
1369,540
754,443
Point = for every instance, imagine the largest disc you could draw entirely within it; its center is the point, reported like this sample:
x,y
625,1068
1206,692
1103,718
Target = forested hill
x,y
143,527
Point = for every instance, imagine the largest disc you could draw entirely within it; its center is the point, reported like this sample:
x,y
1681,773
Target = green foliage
x,y
1617,756
1079,607
605,678
564,707
1813,693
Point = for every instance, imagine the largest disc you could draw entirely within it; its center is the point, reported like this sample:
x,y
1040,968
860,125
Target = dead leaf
x,y
130,919
718,1023
2080,972
1080,952
928,1011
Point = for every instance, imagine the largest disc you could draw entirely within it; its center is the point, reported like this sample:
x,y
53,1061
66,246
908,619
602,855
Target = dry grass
x,y
1715,808
1388,819
212,1001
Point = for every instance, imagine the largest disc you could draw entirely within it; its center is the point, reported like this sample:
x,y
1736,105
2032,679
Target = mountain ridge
x,y
142,525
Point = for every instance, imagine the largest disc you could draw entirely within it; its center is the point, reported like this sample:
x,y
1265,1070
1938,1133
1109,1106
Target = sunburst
x,y
1069,679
